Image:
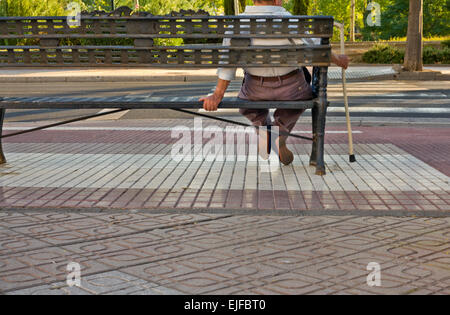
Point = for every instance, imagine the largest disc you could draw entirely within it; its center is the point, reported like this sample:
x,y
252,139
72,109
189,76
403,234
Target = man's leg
x,y
293,88
260,117
286,119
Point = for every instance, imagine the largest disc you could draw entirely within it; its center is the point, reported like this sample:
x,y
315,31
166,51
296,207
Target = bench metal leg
x,y
314,114
2,116
321,120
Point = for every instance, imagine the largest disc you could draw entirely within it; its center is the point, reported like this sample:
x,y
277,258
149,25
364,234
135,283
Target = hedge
x,y
386,54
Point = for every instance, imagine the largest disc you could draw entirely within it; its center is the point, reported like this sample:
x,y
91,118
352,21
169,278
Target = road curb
x,y
422,76
242,212
108,79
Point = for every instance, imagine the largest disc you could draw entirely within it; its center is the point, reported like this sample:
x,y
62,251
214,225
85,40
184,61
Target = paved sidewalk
x,y
144,253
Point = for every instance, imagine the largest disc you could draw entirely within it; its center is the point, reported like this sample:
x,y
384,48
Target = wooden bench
x,y
47,45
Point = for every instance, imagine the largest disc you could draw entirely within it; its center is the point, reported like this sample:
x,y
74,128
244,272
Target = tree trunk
x,y
242,4
301,7
352,20
229,7
414,44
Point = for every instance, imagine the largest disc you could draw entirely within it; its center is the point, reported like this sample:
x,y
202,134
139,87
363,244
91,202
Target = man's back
x,y
267,10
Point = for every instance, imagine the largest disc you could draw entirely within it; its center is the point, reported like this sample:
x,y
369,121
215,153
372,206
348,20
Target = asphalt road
x,y
405,99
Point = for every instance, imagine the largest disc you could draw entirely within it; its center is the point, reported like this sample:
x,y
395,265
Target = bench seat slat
x,y
139,102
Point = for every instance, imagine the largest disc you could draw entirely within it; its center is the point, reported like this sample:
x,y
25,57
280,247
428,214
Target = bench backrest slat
x,y
163,56
168,27
48,33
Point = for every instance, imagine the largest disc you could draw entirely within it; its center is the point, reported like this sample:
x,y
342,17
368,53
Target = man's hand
x,y
211,102
341,60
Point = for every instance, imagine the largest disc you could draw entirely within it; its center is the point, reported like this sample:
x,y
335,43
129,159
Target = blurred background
x,y
375,31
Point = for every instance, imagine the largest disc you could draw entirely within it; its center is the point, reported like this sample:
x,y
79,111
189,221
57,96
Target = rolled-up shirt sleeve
x,y
311,41
226,74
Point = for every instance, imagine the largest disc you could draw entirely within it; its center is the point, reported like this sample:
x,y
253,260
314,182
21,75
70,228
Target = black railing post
x,y
322,116
2,116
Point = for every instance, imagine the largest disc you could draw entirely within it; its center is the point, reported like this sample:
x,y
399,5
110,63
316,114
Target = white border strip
x,y
150,129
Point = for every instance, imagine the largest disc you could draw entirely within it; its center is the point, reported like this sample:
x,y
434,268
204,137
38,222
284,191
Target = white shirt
x,y
229,74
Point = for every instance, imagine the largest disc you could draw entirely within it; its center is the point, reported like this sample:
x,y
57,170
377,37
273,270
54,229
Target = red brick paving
x,y
232,199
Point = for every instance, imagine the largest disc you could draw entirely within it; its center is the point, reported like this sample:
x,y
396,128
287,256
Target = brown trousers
x,y
292,89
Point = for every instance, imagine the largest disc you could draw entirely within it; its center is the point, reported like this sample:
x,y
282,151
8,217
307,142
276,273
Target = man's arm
x,y
210,103
340,60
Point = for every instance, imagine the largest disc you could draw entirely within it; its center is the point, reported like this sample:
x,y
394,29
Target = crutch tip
x,y
352,158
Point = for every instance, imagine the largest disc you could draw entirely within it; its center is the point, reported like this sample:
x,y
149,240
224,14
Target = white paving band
x,y
154,129
389,169
384,110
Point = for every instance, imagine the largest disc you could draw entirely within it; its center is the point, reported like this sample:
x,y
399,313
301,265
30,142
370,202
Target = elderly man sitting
x,y
274,84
